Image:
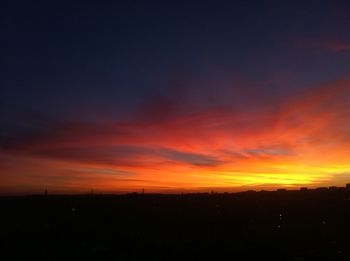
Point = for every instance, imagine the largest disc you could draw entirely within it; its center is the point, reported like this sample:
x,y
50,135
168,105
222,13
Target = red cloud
x,y
189,149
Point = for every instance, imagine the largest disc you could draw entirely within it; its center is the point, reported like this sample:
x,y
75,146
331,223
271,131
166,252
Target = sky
x,y
174,96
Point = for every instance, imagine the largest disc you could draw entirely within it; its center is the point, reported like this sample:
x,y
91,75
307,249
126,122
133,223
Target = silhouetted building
x,y
322,189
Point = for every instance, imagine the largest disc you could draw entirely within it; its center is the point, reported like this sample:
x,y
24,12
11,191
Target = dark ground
x,y
282,225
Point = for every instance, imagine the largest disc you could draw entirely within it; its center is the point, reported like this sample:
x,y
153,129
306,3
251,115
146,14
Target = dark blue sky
x,y
91,56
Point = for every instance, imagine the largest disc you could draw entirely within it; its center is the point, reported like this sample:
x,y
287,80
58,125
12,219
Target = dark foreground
x,y
282,225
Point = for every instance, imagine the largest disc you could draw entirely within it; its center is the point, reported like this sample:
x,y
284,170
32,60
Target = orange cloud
x,y
305,142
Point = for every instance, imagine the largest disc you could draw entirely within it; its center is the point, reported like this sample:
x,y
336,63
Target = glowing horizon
x,y
305,143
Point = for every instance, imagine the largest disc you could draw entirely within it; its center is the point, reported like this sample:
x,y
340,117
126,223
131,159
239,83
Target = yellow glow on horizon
x,y
306,142
282,175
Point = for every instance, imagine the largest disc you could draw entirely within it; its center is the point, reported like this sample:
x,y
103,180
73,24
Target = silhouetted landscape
x,y
305,224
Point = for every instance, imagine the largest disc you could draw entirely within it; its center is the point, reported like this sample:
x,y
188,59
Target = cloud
x,y
268,151
330,44
135,156
335,46
191,158
105,171
213,145
130,156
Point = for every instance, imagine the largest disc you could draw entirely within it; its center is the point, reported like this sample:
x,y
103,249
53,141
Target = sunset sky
x,y
174,96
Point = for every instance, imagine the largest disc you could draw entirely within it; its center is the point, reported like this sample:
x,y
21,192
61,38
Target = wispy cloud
x,y
330,44
310,128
